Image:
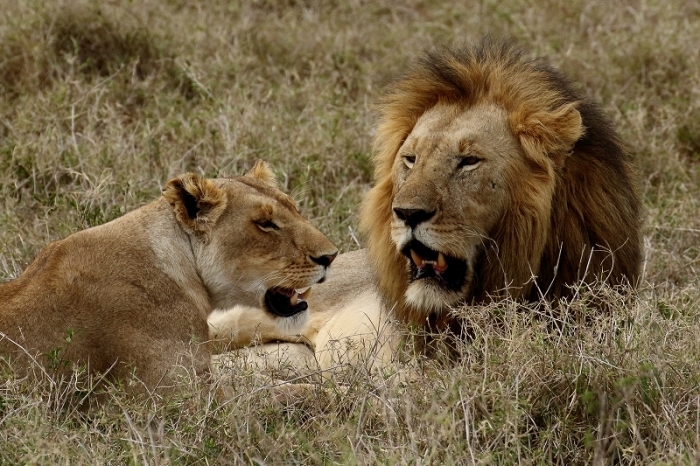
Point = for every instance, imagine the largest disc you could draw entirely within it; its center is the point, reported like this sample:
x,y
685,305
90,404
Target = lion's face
x,y
281,253
495,177
450,190
252,245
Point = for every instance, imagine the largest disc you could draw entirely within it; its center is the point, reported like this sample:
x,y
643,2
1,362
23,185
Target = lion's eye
x,y
409,161
267,225
469,161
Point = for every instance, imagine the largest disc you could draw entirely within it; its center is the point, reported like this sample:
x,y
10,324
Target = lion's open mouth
x,y
448,272
285,302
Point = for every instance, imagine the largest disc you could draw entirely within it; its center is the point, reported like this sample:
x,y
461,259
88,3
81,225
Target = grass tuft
x,y
100,45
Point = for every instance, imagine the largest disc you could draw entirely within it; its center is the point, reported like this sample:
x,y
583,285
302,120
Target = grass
x,y
102,102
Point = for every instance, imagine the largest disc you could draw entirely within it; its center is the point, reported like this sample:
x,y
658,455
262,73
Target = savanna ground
x,y
102,102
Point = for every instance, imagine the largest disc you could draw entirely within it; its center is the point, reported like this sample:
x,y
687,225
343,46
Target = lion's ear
x,y
261,171
197,202
551,133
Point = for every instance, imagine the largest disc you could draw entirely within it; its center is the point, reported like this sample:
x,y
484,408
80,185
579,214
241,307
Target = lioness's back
x,y
63,306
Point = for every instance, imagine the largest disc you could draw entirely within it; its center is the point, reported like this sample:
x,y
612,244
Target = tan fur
x,y
236,328
277,361
133,295
548,201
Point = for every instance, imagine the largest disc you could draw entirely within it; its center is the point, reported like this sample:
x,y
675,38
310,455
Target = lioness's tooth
x,y
416,258
305,294
294,299
441,262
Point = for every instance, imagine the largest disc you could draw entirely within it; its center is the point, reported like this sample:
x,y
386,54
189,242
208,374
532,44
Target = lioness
x,y
495,177
132,295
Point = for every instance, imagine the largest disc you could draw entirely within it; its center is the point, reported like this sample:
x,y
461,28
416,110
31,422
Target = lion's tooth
x,y
294,299
441,262
305,294
418,260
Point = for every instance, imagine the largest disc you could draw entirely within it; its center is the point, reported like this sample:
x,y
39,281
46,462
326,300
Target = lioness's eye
x,y
468,161
409,160
267,225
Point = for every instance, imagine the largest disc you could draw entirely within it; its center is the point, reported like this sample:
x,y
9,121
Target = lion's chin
x,y
430,297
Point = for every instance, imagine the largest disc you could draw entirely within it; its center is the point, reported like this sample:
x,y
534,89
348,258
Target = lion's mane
x,y
586,229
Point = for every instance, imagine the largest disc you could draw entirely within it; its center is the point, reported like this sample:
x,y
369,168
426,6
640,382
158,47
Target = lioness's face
x,y
450,191
263,252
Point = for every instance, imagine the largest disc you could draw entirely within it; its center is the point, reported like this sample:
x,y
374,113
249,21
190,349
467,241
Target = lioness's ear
x,y
197,202
551,133
261,170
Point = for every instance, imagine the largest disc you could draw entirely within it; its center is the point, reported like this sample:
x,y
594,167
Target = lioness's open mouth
x,y
447,271
285,302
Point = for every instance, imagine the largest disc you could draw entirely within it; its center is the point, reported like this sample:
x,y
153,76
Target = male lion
x,y
495,176
133,295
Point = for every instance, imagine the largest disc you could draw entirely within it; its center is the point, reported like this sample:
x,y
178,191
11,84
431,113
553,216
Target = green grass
x,y
102,102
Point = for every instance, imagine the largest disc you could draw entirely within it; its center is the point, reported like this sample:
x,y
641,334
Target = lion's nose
x,y
412,217
326,259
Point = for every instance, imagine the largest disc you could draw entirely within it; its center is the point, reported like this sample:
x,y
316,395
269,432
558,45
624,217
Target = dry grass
x,y
102,102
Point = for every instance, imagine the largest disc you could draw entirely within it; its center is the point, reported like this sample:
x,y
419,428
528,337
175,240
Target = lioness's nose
x,y
326,259
412,217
